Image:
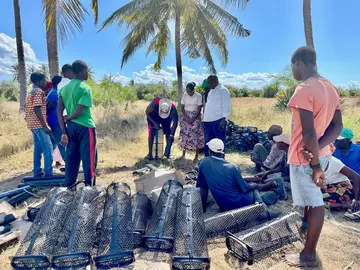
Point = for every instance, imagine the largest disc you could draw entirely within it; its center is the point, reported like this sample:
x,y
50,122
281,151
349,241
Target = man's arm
x,y
79,110
50,105
148,111
243,186
226,104
333,131
349,173
60,115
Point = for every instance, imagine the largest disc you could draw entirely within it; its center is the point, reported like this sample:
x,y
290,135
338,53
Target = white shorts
x,y
303,189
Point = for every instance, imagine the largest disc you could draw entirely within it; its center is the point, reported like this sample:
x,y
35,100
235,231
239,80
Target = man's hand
x,y
47,130
307,154
262,176
222,124
318,177
64,139
157,126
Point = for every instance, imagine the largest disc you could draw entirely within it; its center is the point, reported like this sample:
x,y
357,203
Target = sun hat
x,y
346,133
164,108
204,84
284,138
216,145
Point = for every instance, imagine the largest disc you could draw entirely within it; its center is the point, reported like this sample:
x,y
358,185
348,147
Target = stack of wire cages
x,y
40,241
78,236
140,214
190,247
236,220
159,235
258,242
116,241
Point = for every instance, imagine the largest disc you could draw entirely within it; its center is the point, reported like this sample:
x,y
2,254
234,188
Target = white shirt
x,y
332,172
218,104
191,102
64,81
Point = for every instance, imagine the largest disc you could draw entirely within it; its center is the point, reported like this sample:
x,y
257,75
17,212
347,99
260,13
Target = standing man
x,y
79,134
217,110
35,116
316,123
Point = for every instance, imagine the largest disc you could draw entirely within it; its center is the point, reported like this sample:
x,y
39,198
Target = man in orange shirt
x,y
316,123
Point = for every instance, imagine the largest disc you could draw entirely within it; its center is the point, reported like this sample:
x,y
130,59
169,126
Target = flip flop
x,y
354,217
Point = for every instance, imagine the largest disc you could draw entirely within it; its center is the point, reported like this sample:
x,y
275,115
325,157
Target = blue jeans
x,y
56,139
212,131
42,145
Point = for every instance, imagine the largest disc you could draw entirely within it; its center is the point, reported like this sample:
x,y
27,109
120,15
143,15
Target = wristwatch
x,y
316,166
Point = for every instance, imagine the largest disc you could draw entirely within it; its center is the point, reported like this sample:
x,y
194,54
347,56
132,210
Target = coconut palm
x,y
63,18
200,28
20,55
308,23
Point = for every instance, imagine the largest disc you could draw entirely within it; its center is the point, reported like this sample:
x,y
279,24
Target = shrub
x,y
283,98
256,93
9,90
271,90
354,90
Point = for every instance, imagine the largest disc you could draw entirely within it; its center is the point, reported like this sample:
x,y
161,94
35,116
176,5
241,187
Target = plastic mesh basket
x,y
116,242
236,220
41,239
159,235
190,247
258,242
79,233
140,215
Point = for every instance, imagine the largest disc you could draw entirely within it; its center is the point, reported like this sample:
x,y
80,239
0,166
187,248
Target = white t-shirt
x,y
332,173
191,102
218,104
64,82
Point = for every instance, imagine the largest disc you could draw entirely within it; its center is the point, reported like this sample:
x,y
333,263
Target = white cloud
x,y
8,54
204,68
184,68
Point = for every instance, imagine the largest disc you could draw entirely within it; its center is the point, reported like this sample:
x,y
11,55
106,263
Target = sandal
x,y
355,217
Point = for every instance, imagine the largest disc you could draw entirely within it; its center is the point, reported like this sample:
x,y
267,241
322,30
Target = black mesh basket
x,y
258,242
116,241
79,233
159,235
140,214
190,247
236,220
40,241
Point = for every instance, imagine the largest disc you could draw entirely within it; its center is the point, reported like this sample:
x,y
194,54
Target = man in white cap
x,y
161,114
225,182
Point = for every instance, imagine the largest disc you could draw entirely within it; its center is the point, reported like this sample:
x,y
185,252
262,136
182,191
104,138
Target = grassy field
x,y
122,145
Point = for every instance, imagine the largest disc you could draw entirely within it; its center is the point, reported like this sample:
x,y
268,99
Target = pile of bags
x,y
243,139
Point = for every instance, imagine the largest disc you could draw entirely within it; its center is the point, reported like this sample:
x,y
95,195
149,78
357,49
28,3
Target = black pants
x,y
81,147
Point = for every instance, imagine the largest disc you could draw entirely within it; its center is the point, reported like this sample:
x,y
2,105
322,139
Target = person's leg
x,y
260,153
265,187
47,149
151,137
88,153
208,135
56,131
72,163
36,154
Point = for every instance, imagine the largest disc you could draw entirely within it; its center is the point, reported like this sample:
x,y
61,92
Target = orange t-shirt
x,y
319,96
35,98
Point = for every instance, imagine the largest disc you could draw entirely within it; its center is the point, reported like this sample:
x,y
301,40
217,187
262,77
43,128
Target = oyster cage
x,y
79,233
190,247
159,235
236,220
140,214
266,238
41,239
116,241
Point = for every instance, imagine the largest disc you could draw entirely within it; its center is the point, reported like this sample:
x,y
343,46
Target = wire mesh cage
x,y
116,241
190,247
140,214
159,235
236,220
77,239
258,242
41,239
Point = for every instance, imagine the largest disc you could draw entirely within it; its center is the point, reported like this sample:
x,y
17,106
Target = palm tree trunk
x,y
308,23
20,55
52,43
178,60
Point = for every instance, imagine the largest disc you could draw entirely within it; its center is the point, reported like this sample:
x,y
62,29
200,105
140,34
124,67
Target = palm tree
x,y
20,54
200,27
308,23
63,18
15,72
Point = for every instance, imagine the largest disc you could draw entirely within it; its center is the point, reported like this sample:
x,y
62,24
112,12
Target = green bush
x,y
10,90
283,98
354,90
256,93
271,90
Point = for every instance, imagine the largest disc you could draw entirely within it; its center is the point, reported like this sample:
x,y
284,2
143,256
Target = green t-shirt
x,y
76,93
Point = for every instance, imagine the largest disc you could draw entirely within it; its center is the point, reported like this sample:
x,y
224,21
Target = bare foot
x,y
298,260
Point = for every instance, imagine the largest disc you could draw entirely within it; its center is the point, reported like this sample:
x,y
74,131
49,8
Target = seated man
x,y
267,155
347,151
225,182
161,114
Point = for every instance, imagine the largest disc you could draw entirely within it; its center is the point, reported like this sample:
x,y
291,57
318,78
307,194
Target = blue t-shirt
x,y
225,182
51,114
351,159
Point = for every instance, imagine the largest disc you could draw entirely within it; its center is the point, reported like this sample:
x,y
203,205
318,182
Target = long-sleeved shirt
x,y
218,104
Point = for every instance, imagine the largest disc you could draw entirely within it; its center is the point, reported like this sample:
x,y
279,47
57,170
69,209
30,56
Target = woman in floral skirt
x,y
191,130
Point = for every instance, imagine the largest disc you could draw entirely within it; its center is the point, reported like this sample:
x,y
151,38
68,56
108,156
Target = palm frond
x,y
233,3
95,10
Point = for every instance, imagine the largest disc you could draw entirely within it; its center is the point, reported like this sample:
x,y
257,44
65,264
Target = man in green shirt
x,y
79,132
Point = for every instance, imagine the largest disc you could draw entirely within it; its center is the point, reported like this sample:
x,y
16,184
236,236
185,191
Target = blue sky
x,y
277,30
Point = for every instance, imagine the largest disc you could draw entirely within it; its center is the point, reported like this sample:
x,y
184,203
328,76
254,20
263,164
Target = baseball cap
x,y
216,145
284,138
164,108
346,133
204,84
